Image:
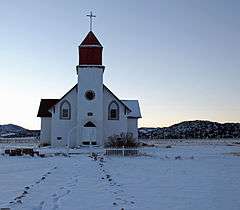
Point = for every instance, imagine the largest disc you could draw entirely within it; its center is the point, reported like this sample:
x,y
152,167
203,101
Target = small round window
x,y
90,95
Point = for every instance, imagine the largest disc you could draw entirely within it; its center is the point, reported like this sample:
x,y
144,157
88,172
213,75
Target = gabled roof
x,y
45,105
135,109
67,92
104,86
90,39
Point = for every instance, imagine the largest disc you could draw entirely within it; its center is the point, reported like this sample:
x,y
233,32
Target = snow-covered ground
x,y
178,178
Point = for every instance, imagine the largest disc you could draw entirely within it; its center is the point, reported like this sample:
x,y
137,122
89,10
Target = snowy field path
x,y
178,178
66,183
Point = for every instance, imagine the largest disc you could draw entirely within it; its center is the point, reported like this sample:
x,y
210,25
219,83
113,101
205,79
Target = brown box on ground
x,y
28,151
12,152
7,151
18,152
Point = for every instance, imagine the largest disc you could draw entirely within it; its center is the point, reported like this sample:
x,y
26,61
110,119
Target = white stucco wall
x,y
90,78
133,127
62,127
45,135
112,127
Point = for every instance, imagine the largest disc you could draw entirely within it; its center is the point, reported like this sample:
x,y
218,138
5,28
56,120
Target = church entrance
x,y
89,135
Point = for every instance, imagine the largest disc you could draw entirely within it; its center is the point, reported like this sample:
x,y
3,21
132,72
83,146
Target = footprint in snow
x,y
55,199
25,192
71,185
55,207
27,188
39,207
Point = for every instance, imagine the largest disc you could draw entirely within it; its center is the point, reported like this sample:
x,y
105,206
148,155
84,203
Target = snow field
x,y
181,177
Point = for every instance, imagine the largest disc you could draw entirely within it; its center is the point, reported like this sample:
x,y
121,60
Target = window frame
x,y
65,113
61,110
110,110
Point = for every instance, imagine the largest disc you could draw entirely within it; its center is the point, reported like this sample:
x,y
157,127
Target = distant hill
x,y
197,129
193,130
11,130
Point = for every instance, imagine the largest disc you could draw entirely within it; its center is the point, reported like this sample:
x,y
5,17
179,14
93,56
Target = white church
x,y
89,112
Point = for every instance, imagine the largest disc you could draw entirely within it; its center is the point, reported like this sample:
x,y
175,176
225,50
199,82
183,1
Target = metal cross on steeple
x,y
90,17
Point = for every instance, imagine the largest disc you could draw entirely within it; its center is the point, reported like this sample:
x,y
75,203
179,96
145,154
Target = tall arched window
x,y
65,110
113,111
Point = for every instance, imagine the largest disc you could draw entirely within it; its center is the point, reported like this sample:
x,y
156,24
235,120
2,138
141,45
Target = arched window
x,y
65,110
113,111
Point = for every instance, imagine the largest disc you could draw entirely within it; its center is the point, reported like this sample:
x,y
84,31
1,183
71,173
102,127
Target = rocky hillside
x,y
11,130
193,130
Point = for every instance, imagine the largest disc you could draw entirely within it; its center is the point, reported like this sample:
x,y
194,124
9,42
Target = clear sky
x,y
180,58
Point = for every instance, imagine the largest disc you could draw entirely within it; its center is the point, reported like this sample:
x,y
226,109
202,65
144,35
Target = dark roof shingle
x,y
45,105
90,39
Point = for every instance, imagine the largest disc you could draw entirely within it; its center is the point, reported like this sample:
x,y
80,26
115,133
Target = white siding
x,y
61,127
113,126
133,127
52,128
45,136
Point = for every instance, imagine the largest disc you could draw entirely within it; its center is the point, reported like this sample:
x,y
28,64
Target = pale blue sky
x,y
180,58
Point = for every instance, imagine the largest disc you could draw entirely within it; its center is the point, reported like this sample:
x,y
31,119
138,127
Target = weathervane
x,y
90,17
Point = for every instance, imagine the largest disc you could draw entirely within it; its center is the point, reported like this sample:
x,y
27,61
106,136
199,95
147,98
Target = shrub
x,y
122,140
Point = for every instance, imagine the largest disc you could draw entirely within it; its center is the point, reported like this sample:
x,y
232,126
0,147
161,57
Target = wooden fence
x,y
31,140
122,151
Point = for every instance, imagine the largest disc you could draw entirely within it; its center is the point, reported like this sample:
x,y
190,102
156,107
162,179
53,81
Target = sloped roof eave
x,y
131,117
56,101
90,39
45,104
134,105
104,86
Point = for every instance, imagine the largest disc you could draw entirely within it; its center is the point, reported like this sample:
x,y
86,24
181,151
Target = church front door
x,y
89,134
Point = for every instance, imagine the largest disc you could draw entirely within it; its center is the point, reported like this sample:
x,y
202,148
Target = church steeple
x,y
90,85
90,50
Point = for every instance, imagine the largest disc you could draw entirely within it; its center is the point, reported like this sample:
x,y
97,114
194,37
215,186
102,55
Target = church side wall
x,y
112,127
45,135
133,127
62,127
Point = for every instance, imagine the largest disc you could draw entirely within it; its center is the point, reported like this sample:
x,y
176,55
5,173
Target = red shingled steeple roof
x,y
90,51
90,39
